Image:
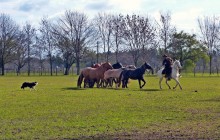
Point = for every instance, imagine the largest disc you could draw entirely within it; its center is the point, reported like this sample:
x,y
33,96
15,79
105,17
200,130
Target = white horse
x,y
174,75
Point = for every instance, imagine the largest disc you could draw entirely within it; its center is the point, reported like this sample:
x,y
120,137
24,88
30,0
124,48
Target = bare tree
x,y
8,32
39,53
138,34
74,34
47,40
210,29
104,24
30,33
166,30
117,33
21,52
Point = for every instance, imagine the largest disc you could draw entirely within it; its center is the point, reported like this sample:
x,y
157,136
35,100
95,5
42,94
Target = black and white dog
x,y
30,85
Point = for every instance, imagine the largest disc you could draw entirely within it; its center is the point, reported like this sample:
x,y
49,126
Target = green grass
x,y
58,110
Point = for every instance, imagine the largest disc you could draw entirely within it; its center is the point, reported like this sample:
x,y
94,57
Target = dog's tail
x,y
80,79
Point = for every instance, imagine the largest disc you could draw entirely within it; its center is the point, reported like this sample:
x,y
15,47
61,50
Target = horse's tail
x,y
80,79
159,73
120,79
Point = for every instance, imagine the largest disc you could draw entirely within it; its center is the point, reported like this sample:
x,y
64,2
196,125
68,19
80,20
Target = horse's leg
x,y
98,83
115,80
91,83
117,83
102,83
144,82
167,83
85,81
110,82
160,82
126,83
139,81
123,83
177,83
106,83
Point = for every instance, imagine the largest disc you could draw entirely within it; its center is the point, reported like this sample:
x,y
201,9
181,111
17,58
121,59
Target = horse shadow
x,y
146,90
73,88
132,89
76,88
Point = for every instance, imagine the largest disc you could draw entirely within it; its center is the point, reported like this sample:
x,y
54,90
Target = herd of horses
x,y
105,74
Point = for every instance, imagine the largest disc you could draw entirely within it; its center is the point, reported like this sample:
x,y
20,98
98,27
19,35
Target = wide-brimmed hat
x,y
164,55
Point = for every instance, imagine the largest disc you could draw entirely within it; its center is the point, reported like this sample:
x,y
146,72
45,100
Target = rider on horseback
x,y
167,63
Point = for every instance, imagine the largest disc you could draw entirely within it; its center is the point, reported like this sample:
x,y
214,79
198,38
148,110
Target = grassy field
x,y
58,110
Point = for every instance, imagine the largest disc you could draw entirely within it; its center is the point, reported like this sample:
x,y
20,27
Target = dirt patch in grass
x,y
202,131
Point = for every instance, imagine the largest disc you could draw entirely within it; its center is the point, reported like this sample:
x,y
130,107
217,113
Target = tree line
x,y
73,38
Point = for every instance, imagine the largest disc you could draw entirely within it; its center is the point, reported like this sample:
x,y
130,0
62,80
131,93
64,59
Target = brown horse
x,y
93,74
96,65
87,82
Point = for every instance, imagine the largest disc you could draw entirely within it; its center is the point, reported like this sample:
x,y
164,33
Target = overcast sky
x,y
184,12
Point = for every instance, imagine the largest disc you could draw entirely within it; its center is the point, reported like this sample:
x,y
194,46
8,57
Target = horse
x,y
96,65
130,67
93,74
109,80
136,74
174,75
88,82
112,73
117,65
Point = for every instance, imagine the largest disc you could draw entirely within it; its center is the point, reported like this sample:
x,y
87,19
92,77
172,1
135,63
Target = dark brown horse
x,y
93,74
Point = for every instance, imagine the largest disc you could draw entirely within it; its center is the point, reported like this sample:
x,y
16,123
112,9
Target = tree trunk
x,y
210,64
78,66
67,69
116,55
18,71
194,70
3,68
3,65
135,61
51,66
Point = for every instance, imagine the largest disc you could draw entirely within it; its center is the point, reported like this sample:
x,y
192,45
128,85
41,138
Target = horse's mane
x,y
175,62
103,65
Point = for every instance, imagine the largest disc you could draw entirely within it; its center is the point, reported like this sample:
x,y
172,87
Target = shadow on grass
x,y
73,88
146,90
127,89
76,88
